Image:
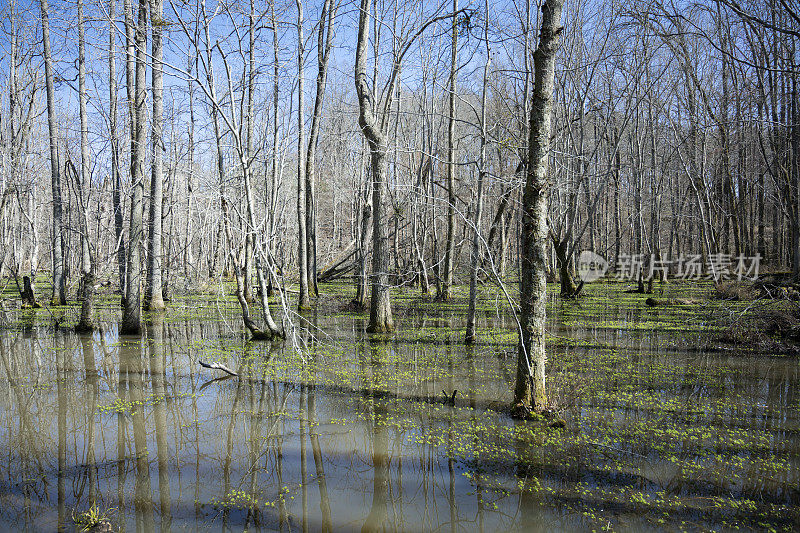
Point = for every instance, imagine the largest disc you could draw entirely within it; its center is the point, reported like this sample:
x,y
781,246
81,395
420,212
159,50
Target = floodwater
x,y
332,432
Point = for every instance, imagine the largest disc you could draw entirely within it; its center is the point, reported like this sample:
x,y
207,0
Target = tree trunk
x,y
365,233
59,283
86,322
303,300
251,82
380,319
568,287
505,229
449,253
275,163
324,45
130,89
153,297
188,257
795,173
380,312
469,337
132,312
116,194
26,294
617,211
530,391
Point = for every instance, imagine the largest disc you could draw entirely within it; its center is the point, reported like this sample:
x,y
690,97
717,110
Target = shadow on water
x,y
350,434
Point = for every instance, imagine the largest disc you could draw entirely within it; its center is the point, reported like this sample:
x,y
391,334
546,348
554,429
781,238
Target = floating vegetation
x,y
93,519
651,426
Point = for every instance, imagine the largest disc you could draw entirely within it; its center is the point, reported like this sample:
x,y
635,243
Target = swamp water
x,y
352,435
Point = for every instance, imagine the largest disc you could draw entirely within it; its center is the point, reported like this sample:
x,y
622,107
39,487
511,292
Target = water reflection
x,y
61,401
379,440
362,436
155,339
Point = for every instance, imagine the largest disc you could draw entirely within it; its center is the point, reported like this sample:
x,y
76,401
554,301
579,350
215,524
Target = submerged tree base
x,y
84,328
261,335
355,305
520,411
27,295
380,328
523,411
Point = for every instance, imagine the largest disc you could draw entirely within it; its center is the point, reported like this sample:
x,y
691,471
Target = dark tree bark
x,y
568,287
530,392
364,239
26,294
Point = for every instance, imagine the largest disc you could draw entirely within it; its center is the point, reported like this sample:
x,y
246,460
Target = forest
x,y
489,265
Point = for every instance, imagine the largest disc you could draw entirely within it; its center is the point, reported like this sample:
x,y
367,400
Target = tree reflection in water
x,y
354,435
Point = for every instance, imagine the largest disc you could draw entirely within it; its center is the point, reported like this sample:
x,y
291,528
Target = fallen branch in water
x,y
218,366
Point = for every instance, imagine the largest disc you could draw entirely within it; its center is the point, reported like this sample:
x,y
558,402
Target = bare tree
x,y
59,282
303,300
132,311
450,243
83,180
373,121
380,319
529,391
475,261
15,139
235,125
153,296
116,175
324,46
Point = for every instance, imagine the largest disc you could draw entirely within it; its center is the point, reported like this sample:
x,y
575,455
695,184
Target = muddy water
x,y
336,433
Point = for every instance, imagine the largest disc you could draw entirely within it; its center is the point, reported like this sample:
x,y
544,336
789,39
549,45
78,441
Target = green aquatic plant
x,y
93,519
235,499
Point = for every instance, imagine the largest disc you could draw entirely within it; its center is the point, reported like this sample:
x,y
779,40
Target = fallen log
x,y
217,366
652,302
336,267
